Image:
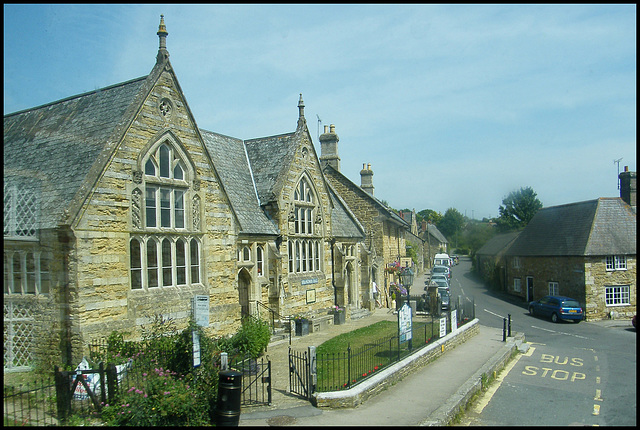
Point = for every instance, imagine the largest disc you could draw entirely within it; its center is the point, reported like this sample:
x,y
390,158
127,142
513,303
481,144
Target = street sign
x,y
404,323
200,306
196,348
443,326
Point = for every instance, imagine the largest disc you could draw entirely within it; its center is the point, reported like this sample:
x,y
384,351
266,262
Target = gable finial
x,y
301,107
162,34
301,120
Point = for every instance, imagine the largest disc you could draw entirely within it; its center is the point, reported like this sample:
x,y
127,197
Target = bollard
x,y
509,333
504,329
227,410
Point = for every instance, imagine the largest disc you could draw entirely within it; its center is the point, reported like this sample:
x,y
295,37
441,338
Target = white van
x,y
442,260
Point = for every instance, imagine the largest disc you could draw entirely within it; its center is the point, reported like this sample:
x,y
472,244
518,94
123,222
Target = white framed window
x,y
617,295
20,213
165,189
616,262
26,272
165,253
160,261
554,289
260,260
244,254
304,240
517,285
516,262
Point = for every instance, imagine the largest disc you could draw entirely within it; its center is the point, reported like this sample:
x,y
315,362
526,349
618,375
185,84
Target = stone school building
x,y
118,208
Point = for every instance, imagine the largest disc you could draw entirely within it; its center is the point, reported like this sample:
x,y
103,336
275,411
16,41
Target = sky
x,y
454,106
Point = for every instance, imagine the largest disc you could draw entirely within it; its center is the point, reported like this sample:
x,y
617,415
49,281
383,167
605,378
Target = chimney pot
x,y
333,128
326,128
369,166
626,168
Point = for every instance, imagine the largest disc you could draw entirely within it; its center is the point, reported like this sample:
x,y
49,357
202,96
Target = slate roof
x,y
344,223
391,214
230,159
497,244
605,226
433,231
268,156
51,148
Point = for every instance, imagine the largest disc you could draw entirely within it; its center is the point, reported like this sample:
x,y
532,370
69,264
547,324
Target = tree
x,y
451,223
430,215
517,209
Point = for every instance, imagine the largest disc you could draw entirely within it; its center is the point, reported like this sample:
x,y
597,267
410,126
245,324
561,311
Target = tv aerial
x,y
618,163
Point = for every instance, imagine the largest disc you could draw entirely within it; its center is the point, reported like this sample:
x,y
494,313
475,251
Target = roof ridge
x,y
109,87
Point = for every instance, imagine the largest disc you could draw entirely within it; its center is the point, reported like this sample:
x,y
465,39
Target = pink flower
x,y
166,393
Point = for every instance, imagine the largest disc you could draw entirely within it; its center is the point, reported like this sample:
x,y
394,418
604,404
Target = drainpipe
x,y
64,237
333,276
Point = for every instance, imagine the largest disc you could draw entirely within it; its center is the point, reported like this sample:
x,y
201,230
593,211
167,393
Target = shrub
x,y
163,399
252,338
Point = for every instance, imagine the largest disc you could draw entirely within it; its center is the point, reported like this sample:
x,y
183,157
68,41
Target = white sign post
x,y
200,306
443,327
454,320
404,323
196,348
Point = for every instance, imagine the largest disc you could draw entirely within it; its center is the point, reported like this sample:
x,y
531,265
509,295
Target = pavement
x,y
430,395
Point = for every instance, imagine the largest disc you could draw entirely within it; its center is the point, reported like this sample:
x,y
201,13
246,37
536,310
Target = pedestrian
x,y
375,294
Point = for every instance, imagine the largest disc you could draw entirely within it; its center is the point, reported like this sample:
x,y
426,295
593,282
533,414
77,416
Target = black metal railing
x,y
343,370
30,404
273,317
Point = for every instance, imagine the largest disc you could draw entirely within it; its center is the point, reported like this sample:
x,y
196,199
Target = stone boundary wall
x,y
444,415
394,373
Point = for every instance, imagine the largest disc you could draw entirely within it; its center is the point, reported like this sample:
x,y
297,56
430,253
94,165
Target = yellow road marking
x,y
597,397
596,409
486,398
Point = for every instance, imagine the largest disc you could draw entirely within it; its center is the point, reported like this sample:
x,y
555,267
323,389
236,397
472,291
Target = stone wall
x,y
394,373
597,278
101,296
581,278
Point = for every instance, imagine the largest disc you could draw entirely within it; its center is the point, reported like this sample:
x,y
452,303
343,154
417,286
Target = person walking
x,y
375,294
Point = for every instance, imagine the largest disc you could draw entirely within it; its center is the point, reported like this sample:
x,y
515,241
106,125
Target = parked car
x,y
443,277
441,270
445,299
557,308
439,283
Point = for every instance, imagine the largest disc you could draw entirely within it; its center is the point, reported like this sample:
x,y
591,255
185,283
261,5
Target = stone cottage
x,y
384,242
119,208
584,250
434,242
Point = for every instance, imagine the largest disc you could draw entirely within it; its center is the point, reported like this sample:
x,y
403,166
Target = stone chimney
x,y
329,148
628,187
366,178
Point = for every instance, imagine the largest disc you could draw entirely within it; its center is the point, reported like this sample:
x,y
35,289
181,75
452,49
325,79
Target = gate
x,y
74,384
256,381
302,372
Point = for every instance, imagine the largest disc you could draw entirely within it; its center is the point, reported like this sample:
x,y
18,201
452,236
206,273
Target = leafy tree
x,y
430,215
517,209
451,223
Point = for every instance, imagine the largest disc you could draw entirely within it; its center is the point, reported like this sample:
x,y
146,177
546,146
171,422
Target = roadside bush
x,y
252,338
163,399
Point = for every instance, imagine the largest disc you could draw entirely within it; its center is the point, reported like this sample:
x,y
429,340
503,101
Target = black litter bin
x,y
227,410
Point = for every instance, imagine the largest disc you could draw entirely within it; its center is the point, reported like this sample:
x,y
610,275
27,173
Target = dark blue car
x,y
557,308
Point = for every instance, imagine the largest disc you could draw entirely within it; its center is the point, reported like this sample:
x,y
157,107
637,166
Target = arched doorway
x,y
348,283
244,283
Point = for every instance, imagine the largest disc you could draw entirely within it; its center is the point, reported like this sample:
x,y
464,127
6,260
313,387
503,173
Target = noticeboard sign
x,y
404,323
200,306
443,326
196,348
